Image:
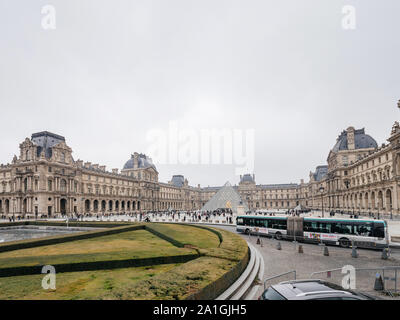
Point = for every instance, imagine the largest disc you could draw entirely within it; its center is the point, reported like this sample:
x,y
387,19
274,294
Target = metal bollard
x,y
301,249
326,252
379,285
354,253
385,254
278,246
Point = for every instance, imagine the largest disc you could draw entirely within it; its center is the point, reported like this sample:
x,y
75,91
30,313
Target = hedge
x,y
216,288
209,292
174,242
12,224
95,224
89,224
98,265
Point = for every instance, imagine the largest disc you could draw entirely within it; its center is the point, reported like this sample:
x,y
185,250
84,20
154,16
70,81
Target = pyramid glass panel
x,y
226,198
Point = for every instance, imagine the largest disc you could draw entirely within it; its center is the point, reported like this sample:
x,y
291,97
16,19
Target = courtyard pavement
x,y
313,260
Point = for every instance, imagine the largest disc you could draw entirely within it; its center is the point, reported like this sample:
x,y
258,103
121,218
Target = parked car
x,y
311,290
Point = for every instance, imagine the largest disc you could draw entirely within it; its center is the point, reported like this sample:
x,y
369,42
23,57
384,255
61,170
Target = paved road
x,y
313,260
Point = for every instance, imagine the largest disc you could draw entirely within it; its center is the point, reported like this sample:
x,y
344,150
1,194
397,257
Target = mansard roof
x,y
320,173
178,181
45,141
144,162
361,141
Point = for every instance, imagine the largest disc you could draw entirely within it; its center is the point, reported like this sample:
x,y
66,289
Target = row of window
x,y
280,224
369,229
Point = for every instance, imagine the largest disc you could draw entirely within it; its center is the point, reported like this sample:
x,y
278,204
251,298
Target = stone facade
x,y
44,179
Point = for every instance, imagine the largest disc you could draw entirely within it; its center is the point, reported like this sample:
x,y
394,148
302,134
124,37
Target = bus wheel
x,y
278,236
247,231
344,243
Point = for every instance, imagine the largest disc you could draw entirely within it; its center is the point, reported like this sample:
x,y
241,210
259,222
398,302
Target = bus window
x,y
364,229
343,228
239,221
325,227
277,224
379,230
262,223
250,222
311,226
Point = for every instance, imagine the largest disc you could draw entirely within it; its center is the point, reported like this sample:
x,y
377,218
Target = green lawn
x,y
172,281
185,234
78,285
189,277
126,245
176,284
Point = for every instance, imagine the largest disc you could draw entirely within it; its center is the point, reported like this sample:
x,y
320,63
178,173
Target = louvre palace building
x,y
45,180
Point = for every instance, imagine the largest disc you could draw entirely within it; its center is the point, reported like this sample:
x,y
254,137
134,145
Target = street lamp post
x,y
322,189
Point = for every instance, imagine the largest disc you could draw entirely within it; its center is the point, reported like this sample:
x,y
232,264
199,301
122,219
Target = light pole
x,y
321,190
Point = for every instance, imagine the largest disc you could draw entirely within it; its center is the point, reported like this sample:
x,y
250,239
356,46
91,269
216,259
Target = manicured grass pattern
x,y
173,281
78,285
127,245
189,235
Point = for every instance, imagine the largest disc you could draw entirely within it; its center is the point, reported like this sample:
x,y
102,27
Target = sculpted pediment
x,y
27,143
62,146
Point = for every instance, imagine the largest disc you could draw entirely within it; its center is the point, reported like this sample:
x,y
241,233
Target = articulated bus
x,y
342,232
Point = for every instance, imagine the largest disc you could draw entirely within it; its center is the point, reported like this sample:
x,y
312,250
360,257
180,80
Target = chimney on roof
x,y
135,157
96,166
350,138
102,168
115,171
87,165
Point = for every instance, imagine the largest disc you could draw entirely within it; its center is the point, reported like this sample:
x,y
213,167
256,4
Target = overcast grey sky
x,y
113,70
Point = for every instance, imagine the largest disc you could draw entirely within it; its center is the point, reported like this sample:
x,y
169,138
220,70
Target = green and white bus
x,y
364,233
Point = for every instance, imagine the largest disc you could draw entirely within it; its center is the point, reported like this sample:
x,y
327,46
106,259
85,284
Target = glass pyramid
x,y
226,198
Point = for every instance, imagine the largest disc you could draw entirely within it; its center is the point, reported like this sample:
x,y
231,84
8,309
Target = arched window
x,y
62,157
